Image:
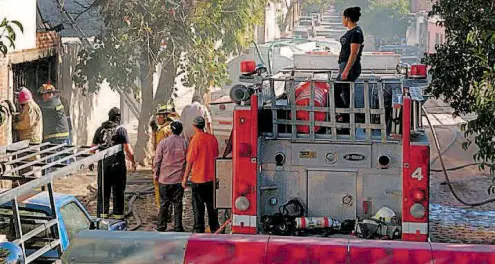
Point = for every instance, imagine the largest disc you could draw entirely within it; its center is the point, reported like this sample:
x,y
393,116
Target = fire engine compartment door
x,y
332,193
223,183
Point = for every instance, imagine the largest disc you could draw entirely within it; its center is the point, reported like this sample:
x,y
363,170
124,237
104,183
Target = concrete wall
x,y
23,11
416,33
421,5
436,35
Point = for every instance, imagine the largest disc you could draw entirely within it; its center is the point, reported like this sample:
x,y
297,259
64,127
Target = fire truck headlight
x,y
241,203
417,210
418,196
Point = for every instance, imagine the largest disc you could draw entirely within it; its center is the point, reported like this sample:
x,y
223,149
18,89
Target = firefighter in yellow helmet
x,y
55,126
165,115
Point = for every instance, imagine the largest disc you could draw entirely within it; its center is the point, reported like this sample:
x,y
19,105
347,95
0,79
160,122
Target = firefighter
x,y
55,126
112,171
165,115
29,123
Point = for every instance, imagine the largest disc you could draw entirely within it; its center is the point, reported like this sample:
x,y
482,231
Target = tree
x,y
341,5
385,20
192,39
8,33
316,6
463,69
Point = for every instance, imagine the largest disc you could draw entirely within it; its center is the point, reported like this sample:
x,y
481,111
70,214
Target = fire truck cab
x,y
315,156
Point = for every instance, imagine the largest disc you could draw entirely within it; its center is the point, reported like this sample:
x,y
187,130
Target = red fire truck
x,y
315,156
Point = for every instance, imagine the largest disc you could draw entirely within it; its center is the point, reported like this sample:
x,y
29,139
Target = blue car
x,y
72,218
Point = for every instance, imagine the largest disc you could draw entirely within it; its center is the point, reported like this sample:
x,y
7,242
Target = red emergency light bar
x,y
248,66
418,71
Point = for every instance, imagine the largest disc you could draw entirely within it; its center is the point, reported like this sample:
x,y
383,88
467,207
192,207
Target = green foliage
x,y
463,69
8,32
386,20
195,36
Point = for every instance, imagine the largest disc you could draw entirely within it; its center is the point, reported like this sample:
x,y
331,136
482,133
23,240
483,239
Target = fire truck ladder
x,y
370,88
21,161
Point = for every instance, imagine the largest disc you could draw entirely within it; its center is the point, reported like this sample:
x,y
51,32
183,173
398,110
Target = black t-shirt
x,y
356,36
120,137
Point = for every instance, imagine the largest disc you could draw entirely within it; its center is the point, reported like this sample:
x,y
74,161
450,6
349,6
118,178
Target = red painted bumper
x,y
209,249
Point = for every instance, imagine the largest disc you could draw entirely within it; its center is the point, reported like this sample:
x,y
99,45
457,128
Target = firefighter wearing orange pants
x,y
164,117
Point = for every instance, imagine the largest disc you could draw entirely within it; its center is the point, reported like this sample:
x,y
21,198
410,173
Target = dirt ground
x,y
140,184
450,221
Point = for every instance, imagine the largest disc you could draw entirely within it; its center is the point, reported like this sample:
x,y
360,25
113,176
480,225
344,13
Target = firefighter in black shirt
x,y
112,171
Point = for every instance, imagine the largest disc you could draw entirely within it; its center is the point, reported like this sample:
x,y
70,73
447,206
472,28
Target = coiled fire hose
x,y
444,169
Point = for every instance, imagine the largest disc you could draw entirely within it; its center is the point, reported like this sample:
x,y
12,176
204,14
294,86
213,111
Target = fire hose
x,y
445,170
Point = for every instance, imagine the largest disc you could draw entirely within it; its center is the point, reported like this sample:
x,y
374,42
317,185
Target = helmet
x,y
384,214
47,88
11,253
165,109
25,96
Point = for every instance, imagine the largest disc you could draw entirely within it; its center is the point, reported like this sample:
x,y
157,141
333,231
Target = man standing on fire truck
x,y
201,155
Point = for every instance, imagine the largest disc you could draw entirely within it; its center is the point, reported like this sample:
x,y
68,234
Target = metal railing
x,y
370,102
13,161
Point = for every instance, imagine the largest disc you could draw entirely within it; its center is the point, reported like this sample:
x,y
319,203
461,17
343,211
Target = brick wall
x,y
45,40
46,46
4,94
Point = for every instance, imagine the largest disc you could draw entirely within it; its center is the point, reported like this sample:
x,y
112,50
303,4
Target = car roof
x,y
41,201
